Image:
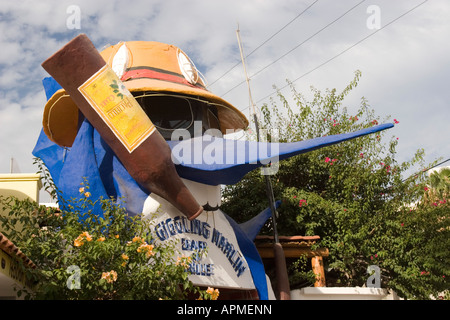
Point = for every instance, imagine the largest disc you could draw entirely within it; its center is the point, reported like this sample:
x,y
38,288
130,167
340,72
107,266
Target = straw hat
x,y
142,66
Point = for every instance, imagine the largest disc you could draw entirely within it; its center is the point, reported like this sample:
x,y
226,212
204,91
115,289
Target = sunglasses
x,y
169,112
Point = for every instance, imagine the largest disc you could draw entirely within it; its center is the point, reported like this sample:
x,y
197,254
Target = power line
x,y
264,42
282,28
427,169
297,46
337,19
344,51
415,175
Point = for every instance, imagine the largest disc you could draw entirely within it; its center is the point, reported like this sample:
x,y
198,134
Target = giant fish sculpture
x,y
137,121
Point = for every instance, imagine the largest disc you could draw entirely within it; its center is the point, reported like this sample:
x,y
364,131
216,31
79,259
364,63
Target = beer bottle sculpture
x,y
103,99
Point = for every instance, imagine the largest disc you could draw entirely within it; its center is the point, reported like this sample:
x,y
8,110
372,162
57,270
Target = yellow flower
x,y
87,236
78,242
117,236
114,275
214,293
87,194
110,277
147,248
125,258
184,261
137,239
101,239
81,190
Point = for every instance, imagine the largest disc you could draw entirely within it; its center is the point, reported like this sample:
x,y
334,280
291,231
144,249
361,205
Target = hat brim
x,y
230,118
60,119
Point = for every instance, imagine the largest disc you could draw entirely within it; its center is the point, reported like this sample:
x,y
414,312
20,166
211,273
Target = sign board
x,y
210,241
10,275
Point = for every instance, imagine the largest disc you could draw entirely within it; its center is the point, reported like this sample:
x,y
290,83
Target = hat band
x,y
157,74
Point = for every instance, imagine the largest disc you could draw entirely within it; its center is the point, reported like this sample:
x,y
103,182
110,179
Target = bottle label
x,y
117,107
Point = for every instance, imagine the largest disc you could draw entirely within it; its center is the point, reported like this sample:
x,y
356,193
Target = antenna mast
x,y
280,259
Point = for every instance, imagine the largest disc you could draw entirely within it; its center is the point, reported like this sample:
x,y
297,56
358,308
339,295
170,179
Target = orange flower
x,y
184,261
87,236
138,239
110,277
214,293
125,259
79,241
147,248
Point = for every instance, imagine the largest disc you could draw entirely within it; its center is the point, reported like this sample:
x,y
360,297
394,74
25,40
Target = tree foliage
x,y
353,195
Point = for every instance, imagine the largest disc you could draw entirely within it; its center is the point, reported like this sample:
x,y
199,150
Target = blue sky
x,y
405,65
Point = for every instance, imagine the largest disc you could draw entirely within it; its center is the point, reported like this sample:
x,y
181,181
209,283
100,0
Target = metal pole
x,y
283,288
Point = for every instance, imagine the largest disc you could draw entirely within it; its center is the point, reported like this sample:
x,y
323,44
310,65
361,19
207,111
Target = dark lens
x,y
167,112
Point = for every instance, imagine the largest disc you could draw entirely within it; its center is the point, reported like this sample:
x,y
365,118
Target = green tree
x,y
352,195
440,184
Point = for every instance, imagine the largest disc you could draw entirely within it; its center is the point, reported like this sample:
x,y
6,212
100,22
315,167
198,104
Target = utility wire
x,y
267,40
270,38
344,51
426,170
297,46
417,173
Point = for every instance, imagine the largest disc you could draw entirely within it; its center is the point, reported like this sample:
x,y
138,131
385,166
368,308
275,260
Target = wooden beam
x,y
295,247
293,252
317,267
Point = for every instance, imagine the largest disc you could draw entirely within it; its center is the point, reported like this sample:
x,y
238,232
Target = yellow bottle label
x,y
117,107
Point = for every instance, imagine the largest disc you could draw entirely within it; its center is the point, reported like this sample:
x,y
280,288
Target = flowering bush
x,y
82,256
358,202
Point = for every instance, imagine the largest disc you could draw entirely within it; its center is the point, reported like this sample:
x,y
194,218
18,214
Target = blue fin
x,y
213,160
254,225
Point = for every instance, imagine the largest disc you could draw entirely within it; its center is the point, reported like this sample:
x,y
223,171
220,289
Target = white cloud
x,y
405,66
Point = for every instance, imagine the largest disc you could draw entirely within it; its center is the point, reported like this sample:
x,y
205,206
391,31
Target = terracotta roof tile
x,y
11,249
288,240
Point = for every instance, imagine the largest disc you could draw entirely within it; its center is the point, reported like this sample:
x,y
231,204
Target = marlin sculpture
x,y
82,138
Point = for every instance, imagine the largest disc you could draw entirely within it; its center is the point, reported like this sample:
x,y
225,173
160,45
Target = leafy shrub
x,y
82,256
